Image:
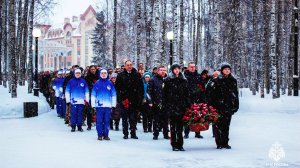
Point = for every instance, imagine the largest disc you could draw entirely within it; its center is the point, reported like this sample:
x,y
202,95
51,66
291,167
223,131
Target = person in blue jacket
x,y
77,94
103,98
57,86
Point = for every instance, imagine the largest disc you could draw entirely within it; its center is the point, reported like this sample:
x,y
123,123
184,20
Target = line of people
x,y
103,96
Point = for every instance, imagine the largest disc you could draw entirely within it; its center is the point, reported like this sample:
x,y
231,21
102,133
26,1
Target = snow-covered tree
x,y
99,42
12,48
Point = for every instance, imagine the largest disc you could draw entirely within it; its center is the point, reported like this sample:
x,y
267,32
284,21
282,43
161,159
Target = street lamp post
x,y
170,37
36,33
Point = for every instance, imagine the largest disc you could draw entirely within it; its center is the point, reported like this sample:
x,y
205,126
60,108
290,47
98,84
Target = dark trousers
x,y
222,133
131,116
89,117
176,131
111,123
160,121
147,117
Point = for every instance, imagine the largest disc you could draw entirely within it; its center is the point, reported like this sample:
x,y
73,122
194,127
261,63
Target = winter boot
x,y
227,146
133,136
80,128
100,138
219,147
197,135
73,129
155,138
175,149
66,122
181,149
106,138
166,137
125,137
186,136
89,128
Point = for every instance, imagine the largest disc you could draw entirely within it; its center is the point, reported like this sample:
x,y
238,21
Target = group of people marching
x,y
104,96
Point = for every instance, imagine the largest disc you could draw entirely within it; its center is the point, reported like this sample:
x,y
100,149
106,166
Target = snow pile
x,y
13,107
46,142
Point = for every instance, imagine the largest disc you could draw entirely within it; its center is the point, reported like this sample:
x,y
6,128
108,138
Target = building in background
x,y
67,44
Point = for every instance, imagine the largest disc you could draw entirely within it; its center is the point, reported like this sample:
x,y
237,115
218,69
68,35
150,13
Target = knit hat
x,y
204,72
225,65
147,74
103,70
175,66
67,71
60,72
113,75
77,70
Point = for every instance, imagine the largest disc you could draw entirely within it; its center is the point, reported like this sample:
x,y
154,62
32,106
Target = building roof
x,y
90,8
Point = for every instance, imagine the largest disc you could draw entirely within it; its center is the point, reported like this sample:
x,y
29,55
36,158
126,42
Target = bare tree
x,y
23,56
1,28
138,29
265,57
273,49
30,51
114,54
12,48
181,34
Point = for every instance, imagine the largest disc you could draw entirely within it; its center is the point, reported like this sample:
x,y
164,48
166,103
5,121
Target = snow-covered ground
x,y
13,107
45,142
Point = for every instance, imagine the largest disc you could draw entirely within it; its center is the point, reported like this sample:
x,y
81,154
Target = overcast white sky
x,y
69,8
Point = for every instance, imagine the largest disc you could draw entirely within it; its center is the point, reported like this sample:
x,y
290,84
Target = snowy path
x,y
46,142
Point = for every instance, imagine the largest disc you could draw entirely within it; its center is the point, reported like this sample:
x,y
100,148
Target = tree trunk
x,y
181,34
1,28
30,63
138,30
12,48
24,48
4,42
291,55
280,48
175,29
266,32
273,50
199,34
114,48
19,40
163,52
255,47
194,29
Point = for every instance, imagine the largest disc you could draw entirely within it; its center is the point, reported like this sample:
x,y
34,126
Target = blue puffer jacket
x,y
103,94
77,91
57,86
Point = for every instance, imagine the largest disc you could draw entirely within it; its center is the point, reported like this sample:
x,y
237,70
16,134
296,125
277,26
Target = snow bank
x,y
46,142
13,107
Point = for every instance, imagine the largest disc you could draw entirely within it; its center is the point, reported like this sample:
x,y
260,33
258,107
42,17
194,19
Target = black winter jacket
x,y
175,95
130,86
225,95
155,90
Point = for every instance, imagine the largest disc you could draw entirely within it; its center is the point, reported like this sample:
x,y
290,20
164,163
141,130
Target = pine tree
x,y
99,42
